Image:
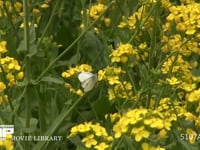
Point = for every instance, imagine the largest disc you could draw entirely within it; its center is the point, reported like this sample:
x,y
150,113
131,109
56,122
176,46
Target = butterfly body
x,y
88,80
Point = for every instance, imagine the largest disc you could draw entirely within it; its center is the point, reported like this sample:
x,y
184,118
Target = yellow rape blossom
x,y
29,24
20,75
107,22
188,87
7,144
121,90
101,146
110,74
114,117
96,10
18,6
89,141
154,123
173,81
189,116
92,132
130,118
12,70
194,96
123,53
36,11
120,128
131,21
73,90
99,131
74,71
186,21
3,48
3,98
44,6
191,135
2,87
146,146
140,133
162,133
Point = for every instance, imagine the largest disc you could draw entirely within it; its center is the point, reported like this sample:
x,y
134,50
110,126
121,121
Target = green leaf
x,y
33,50
129,142
72,60
21,47
76,141
21,125
101,103
52,80
56,123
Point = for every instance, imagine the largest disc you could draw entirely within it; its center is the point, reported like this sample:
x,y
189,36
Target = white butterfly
x,y
88,80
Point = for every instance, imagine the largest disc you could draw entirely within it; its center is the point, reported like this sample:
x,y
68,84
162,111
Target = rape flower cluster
x,y
177,43
17,7
15,11
137,123
74,71
10,72
130,118
185,17
139,15
110,74
180,72
123,53
159,118
161,104
9,66
194,96
147,146
140,122
181,77
95,136
117,88
37,13
122,90
7,144
96,10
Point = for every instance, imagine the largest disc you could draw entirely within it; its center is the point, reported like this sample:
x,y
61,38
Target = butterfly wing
x,y
89,83
83,76
88,80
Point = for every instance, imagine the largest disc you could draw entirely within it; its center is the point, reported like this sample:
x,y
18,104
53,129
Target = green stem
x,y
118,144
27,68
70,46
27,62
48,23
131,79
168,56
4,79
141,24
10,20
42,107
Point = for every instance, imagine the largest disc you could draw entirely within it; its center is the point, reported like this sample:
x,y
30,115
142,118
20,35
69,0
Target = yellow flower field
x,y
100,74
